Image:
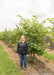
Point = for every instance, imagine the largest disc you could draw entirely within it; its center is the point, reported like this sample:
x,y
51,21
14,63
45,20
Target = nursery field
x,y
40,61
10,63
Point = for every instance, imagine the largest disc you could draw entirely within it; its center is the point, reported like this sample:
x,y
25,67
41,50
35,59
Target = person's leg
x,y
25,60
21,60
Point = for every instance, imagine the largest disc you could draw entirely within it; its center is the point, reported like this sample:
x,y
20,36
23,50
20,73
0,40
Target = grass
x,y
49,56
7,67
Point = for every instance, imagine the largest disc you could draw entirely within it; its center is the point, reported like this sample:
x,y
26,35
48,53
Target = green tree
x,y
35,34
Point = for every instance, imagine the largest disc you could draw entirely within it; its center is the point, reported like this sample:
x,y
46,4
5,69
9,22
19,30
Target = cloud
x,y
9,9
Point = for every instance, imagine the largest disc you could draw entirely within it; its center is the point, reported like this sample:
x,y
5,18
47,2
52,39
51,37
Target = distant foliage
x,y
51,20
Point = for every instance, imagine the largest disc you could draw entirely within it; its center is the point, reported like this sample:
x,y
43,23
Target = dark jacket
x,y
22,48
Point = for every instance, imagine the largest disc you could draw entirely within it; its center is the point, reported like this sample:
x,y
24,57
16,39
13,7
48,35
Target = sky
x,y
9,9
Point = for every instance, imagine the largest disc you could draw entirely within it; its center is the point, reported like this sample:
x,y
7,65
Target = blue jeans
x,y
23,58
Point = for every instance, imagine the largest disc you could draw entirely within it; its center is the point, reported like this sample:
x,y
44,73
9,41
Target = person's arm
x,y
17,48
27,48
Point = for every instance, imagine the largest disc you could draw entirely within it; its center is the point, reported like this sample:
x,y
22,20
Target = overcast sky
x,y
9,9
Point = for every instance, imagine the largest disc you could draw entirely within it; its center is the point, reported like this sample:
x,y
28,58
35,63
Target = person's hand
x,y
27,55
16,54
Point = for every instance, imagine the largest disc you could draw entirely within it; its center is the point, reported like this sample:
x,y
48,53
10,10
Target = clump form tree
x,y
35,34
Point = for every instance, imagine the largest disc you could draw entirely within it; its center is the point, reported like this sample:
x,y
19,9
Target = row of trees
x,y
34,32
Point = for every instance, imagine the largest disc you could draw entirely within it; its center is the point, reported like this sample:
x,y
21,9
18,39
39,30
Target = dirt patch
x,y
50,51
42,65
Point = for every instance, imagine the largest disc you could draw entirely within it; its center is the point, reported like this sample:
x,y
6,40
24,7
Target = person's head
x,y
22,38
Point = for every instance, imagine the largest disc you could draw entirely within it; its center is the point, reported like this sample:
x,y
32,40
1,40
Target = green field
x,y
7,67
49,56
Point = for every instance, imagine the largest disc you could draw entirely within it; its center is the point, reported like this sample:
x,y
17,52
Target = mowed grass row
x,y
7,67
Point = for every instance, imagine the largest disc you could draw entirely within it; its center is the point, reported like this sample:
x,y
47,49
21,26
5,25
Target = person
x,y
22,52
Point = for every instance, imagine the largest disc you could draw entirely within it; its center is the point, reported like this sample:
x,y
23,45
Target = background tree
x,y
51,20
